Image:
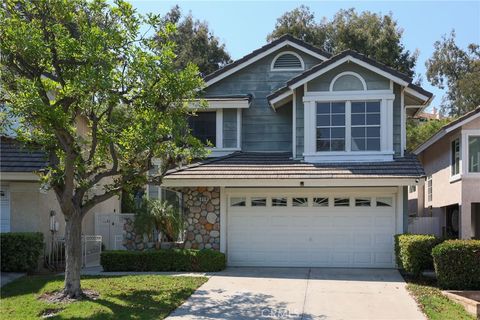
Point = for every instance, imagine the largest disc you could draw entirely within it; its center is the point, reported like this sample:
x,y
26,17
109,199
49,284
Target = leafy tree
x,y
458,70
372,34
196,43
71,65
419,132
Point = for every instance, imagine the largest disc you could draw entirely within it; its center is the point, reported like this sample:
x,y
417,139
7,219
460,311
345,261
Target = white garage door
x,y
314,230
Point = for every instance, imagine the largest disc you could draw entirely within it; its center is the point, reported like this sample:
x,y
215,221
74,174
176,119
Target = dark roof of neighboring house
x,y
16,157
255,165
356,55
263,49
445,129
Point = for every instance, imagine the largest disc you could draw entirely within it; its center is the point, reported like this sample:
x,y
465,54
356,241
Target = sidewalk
x,y
7,277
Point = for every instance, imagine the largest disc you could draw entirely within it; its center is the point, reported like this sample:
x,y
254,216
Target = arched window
x,y
348,81
287,61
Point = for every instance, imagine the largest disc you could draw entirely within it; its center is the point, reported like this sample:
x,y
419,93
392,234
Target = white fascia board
x,y
272,183
281,97
222,104
262,55
354,60
442,133
19,176
416,94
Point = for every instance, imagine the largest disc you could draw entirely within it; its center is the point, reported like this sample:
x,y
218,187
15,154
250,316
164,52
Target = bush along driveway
x,y
126,297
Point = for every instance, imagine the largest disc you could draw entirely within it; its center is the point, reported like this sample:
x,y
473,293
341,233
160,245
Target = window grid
x,y
330,126
429,188
473,154
455,157
365,124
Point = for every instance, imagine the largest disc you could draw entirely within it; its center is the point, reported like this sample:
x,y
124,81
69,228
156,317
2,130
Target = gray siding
x,y
230,128
300,111
263,129
373,80
397,127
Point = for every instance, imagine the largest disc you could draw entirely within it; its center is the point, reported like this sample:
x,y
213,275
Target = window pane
x,y
358,119
358,107
373,106
323,145
279,202
338,132
358,132
358,144
259,202
323,133
342,202
338,120
384,202
373,119
373,132
300,202
320,202
338,145
455,157
474,154
373,144
338,107
323,107
363,202
204,126
238,202
323,120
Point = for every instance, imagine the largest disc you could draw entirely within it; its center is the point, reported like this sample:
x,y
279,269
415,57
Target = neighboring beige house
x,y
24,206
451,159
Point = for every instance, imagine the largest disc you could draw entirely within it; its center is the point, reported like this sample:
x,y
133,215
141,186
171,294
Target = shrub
x,y
163,260
21,251
413,252
457,264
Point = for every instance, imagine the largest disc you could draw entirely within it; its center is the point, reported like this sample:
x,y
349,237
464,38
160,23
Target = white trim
x,y
239,128
219,129
399,210
348,95
403,129
287,69
294,125
354,60
19,176
458,176
416,94
262,55
348,73
221,104
465,135
391,85
443,132
281,97
223,220
304,183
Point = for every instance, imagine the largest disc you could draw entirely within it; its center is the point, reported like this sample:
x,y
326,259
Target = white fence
x,y
424,225
91,251
111,227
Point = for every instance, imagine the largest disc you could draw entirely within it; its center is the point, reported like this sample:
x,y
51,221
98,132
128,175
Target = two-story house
x,y
308,165
451,193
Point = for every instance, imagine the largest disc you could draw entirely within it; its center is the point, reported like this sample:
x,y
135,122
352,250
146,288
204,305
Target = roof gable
x,y
284,41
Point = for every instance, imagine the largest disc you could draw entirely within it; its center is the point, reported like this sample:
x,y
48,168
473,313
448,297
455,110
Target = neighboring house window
x,y
429,186
455,157
287,61
204,126
473,153
366,126
331,126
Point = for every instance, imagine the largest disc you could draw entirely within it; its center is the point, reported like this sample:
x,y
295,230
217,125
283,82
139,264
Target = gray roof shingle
x,y
251,165
16,157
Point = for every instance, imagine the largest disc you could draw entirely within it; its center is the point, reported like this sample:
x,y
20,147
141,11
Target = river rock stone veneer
x,y
202,213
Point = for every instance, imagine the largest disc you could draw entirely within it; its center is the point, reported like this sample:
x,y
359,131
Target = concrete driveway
x,y
301,293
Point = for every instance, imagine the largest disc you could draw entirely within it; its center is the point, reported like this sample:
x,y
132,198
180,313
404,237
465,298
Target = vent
x,y
288,61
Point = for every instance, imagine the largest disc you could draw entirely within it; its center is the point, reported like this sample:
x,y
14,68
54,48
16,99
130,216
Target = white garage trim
x,y
371,246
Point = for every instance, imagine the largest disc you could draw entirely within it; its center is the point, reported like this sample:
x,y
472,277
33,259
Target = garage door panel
x,y
309,236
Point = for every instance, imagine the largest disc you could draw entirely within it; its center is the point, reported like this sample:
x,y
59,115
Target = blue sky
x,y
244,25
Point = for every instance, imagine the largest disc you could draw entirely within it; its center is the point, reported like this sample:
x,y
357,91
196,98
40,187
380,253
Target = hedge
x,y
457,264
20,251
163,260
413,252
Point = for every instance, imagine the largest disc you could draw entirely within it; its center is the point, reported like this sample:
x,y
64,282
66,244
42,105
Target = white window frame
x,y
457,176
287,69
386,152
464,151
429,189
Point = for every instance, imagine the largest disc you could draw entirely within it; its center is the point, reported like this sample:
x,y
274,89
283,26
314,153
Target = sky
x,y
243,25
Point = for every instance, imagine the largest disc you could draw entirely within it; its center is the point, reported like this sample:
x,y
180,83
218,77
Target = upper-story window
x,y
331,126
473,153
366,126
204,126
455,157
287,61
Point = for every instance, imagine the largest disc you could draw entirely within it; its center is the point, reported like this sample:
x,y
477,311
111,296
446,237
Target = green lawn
x,y
433,303
126,297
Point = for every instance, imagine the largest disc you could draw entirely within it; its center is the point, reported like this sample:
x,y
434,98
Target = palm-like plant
x,y
160,216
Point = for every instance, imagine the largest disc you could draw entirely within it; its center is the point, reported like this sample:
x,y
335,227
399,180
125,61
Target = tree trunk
x,y
73,255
